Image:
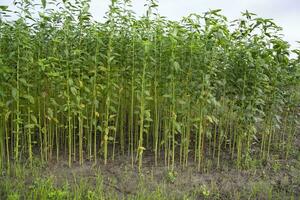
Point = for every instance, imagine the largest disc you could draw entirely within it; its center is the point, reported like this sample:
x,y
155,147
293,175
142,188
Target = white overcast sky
x,y
286,13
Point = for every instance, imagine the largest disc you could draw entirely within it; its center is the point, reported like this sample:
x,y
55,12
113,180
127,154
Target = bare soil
x,y
120,177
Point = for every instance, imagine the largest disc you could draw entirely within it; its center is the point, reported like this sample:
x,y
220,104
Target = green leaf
x,y
105,137
3,7
167,96
176,66
33,118
99,128
29,17
110,59
53,74
208,134
177,126
50,112
278,118
141,149
44,130
113,109
29,126
102,68
70,82
147,93
44,3
7,115
29,98
22,80
73,90
14,93
180,101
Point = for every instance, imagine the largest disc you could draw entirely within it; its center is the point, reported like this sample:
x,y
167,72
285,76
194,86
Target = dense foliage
x,y
183,90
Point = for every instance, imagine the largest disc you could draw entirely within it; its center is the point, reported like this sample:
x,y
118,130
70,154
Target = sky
x,y
285,13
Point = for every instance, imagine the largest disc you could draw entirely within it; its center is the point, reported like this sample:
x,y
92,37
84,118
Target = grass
x,y
119,181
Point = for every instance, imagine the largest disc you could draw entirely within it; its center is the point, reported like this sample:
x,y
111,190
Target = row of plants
x,y
182,90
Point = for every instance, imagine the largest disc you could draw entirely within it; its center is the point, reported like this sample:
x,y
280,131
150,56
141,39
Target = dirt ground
x,y
275,178
279,176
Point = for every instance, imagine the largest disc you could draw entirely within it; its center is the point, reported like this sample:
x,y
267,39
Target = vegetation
x,y
200,90
85,181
